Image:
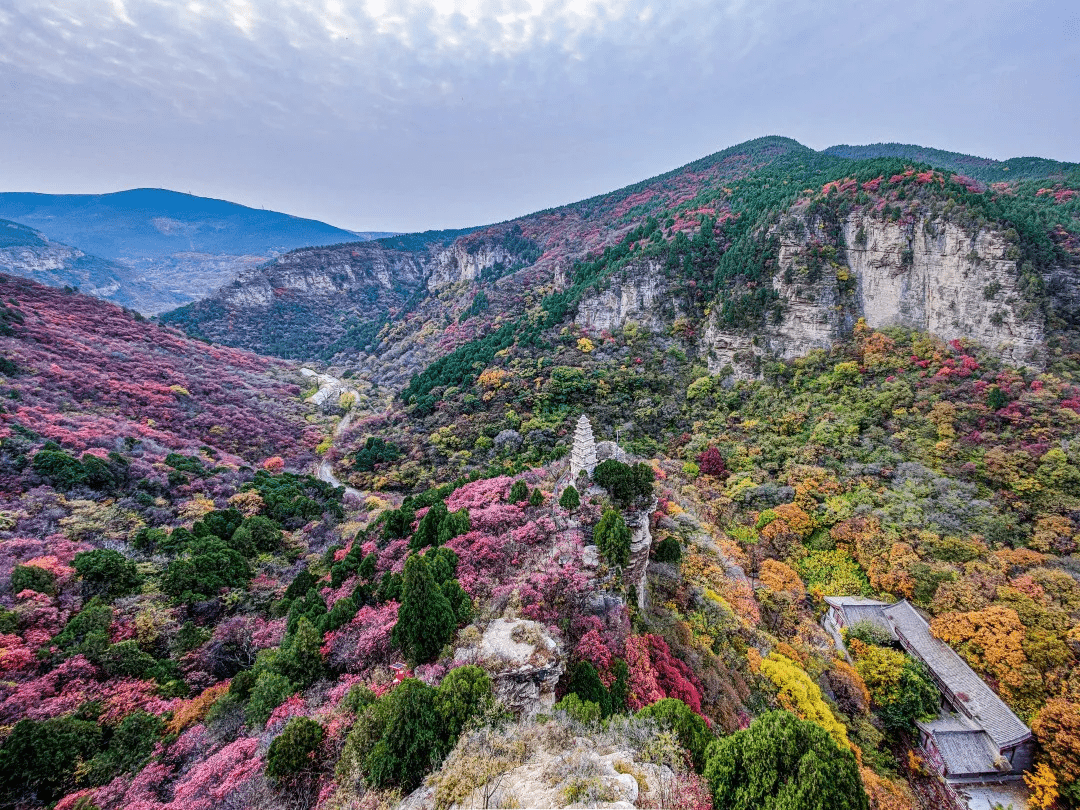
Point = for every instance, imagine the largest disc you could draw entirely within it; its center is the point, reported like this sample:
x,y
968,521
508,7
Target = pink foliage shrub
x,y
364,641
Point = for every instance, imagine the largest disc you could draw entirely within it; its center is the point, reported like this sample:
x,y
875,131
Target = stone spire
x,y
583,455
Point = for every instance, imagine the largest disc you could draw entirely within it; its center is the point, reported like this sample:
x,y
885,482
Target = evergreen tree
x,y
612,538
570,500
586,684
292,752
427,530
411,743
519,492
783,763
426,620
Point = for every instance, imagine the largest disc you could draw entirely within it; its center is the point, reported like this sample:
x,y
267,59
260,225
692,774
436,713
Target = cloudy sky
x,y
414,114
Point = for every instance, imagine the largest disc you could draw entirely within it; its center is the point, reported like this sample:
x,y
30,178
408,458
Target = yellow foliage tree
x,y
781,577
1043,786
799,694
990,640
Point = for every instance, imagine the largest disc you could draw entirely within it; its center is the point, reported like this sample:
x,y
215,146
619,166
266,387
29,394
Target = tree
x,y
627,485
536,498
300,658
668,550
270,691
32,578
426,620
586,684
519,492
427,530
411,743
106,572
711,463
293,751
783,763
1057,726
41,757
570,500
612,538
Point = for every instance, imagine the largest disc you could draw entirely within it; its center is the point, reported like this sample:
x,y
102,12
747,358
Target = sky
x,y
405,115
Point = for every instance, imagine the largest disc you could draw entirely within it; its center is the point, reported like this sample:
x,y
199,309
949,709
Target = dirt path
x,y
328,387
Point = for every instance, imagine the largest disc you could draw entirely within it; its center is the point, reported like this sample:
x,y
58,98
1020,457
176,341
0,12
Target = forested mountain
x,y
181,245
826,376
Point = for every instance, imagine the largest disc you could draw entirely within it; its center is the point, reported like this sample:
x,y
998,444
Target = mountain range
x,y
154,249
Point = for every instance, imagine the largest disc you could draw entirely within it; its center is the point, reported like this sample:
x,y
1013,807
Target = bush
x,y
107,573
61,470
33,578
583,711
782,763
694,735
868,633
375,451
293,751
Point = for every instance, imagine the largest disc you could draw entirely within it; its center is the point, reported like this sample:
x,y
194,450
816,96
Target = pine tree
x,y
570,500
612,538
426,619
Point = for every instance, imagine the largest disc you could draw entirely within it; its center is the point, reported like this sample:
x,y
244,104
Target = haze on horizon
x,y
417,114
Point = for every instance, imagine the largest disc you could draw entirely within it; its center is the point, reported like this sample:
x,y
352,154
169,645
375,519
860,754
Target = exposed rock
x,y
640,545
641,295
460,263
524,662
929,275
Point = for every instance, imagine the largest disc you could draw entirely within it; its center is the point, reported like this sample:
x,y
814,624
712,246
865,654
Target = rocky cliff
x,y
640,294
929,274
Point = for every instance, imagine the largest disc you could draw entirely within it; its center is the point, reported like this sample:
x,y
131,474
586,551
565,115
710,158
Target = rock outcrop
x,y
640,545
524,663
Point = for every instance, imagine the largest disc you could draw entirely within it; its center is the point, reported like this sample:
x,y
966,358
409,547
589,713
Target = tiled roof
x,y
965,748
971,694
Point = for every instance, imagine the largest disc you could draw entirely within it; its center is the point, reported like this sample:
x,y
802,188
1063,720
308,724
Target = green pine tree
x,y
426,620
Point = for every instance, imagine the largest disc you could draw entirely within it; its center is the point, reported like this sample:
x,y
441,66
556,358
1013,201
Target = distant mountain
x,y
30,254
183,245
977,168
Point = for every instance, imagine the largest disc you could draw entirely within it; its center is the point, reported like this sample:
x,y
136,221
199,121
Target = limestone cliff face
x,y
460,263
953,284
929,275
330,272
640,545
641,295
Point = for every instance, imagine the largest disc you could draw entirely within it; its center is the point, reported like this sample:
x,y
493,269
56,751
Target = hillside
x,y
983,169
179,245
805,375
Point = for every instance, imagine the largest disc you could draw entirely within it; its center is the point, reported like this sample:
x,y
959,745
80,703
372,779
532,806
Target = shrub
x,y
868,632
375,451
33,578
694,735
585,712
783,763
211,566
586,684
106,572
129,749
293,751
